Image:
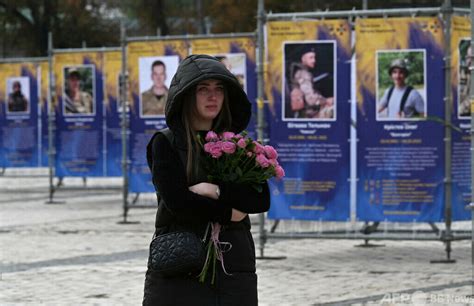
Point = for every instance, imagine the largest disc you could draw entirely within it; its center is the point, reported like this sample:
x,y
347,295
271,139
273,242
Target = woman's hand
x,y
206,189
237,215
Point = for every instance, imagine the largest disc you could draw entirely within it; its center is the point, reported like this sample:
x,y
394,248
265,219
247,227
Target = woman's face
x,y
209,100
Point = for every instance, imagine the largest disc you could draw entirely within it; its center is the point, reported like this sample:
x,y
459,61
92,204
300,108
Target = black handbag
x,y
178,253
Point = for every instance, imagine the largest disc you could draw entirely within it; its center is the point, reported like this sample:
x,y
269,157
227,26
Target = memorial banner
x,y
19,139
308,77
238,55
461,118
113,113
43,110
151,66
400,148
79,130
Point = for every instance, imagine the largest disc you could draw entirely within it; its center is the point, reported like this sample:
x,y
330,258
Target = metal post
x,y
51,115
365,4
471,70
447,11
260,88
124,114
260,114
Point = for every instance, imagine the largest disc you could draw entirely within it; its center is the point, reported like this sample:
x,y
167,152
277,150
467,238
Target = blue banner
x,y
308,85
19,139
79,131
113,113
400,148
152,65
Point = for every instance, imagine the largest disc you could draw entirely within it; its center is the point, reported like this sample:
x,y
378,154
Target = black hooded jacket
x,y
178,207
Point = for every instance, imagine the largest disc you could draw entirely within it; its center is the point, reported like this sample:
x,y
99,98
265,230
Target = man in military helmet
x,y
154,99
17,102
302,88
401,100
76,101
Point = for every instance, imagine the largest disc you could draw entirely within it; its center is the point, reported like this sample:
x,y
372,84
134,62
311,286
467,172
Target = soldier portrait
x,y
79,90
18,95
309,81
155,77
401,89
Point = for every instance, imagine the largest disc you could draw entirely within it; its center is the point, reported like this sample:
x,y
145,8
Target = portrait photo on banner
x,y
79,90
118,97
17,95
236,64
309,81
155,74
401,85
464,77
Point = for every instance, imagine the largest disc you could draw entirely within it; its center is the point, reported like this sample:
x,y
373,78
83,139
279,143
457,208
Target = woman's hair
x,y
220,124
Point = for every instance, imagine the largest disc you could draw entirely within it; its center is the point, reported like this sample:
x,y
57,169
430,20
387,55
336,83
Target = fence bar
x,y
357,235
260,115
23,59
124,123
51,119
471,69
200,36
79,50
447,11
364,13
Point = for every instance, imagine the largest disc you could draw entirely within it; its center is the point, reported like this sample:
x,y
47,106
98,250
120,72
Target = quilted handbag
x,y
177,253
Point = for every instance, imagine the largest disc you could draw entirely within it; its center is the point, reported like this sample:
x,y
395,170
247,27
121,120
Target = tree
x,y
26,24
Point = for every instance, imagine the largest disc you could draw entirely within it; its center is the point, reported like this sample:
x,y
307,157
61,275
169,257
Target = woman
x,y
203,96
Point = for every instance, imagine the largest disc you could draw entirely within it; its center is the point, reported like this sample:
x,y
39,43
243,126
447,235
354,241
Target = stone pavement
x,y
77,254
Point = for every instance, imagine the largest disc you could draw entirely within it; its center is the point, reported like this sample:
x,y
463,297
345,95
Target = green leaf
x,y
238,171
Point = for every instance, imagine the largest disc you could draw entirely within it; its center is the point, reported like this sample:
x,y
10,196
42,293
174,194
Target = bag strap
x,y
405,97
390,91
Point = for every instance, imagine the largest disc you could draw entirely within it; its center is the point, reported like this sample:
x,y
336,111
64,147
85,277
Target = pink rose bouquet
x,y
239,159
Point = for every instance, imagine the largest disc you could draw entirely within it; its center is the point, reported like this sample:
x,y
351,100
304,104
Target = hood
x,y
191,71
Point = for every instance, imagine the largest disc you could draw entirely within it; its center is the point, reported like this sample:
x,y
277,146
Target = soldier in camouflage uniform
x,y
154,99
76,101
315,105
16,100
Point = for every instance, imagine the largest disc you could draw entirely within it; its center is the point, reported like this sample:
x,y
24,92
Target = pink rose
x,y
211,136
208,146
258,148
279,172
262,161
227,135
273,162
270,152
249,154
242,143
228,147
238,136
216,149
